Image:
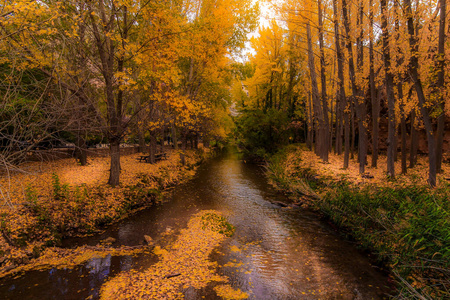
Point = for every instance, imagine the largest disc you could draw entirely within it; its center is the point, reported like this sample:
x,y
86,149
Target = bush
x,y
262,132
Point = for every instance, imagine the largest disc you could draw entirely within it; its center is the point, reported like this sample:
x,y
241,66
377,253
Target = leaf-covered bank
x,y
63,199
406,224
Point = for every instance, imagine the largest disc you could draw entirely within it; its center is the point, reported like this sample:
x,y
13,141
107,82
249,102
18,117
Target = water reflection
x,y
277,253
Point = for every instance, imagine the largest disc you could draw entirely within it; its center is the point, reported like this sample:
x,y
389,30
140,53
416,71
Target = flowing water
x,y
281,253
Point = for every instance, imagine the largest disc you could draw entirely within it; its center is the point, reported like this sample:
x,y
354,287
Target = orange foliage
x,y
333,169
60,198
183,264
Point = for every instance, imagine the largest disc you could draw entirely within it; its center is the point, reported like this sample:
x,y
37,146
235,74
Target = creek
x,y
279,252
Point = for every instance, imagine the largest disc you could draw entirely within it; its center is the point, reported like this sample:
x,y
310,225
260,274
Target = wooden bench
x,y
143,158
158,157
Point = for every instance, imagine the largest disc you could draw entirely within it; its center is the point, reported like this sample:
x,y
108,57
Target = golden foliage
x,y
183,264
334,170
60,198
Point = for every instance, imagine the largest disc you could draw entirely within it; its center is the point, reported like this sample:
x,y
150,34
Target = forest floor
x,y
402,220
48,201
373,175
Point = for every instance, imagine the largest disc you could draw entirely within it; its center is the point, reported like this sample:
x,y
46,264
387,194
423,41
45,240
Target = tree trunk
x,y
81,150
373,97
403,133
331,126
414,141
344,117
183,148
440,85
163,131
400,95
196,137
389,92
325,148
413,71
352,118
318,111
114,172
174,136
361,109
309,137
358,101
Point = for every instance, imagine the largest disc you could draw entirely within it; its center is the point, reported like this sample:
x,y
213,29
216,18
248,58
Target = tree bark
x,y
413,71
163,131
183,147
414,141
389,92
107,51
361,109
400,94
318,111
359,104
440,85
325,148
352,118
81,150
114,172
344,116
373,97
174,136
309,137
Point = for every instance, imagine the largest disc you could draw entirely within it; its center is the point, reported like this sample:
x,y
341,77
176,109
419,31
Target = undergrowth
x,y
406,225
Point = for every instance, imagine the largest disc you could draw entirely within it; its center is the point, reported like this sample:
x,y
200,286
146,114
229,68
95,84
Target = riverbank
x,y
403,221
53,200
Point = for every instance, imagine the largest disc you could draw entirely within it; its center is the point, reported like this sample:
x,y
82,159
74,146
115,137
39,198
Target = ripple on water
x,y
275,253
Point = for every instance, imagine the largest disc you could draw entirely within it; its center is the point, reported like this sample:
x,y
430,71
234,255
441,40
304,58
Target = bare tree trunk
x,y
389,92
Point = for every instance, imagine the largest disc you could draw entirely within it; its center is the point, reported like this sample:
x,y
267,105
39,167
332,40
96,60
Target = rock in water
x,y
148,240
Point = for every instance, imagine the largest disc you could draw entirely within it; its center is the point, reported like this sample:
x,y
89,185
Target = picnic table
x,y
158,157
